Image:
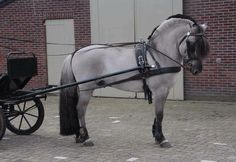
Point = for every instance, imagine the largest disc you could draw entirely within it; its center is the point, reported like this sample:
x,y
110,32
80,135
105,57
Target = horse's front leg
x,y
159,101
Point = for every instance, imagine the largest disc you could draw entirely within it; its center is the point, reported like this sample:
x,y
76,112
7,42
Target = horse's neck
x,y
168,42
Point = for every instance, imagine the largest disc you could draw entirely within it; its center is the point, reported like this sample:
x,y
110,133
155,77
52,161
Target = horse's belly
x,y
131,86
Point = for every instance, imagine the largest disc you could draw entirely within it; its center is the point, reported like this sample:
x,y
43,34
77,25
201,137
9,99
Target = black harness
x,y
141,58
146,71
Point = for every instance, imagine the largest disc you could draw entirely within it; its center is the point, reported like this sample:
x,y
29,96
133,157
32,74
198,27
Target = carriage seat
x,y
20,69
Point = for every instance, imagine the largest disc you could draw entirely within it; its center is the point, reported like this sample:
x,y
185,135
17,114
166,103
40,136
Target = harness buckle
x,y
141,61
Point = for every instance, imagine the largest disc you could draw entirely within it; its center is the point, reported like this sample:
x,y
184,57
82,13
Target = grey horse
x,y
178,38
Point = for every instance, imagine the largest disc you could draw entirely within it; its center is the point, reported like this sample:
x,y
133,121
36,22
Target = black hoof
x,y
165,144
82,137
87,142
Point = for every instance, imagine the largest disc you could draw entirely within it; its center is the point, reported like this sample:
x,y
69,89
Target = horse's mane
x,y
180,16
205,48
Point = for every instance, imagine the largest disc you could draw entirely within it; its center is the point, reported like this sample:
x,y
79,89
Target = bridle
x,y
191,46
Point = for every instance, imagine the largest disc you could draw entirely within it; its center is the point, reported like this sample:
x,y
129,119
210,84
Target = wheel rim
x,y
24,117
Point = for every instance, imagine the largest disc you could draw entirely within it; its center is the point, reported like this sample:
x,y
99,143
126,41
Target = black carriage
x,y
24,116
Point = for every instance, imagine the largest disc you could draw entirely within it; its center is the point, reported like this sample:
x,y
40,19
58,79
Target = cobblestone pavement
x,y
121,131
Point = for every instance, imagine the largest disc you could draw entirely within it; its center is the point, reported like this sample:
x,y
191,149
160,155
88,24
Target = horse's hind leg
x,y
82,134
159,99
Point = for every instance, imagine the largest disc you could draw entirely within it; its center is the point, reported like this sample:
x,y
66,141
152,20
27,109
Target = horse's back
x,y
97,60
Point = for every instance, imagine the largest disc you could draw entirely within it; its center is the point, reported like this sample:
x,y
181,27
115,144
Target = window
x,y
5,2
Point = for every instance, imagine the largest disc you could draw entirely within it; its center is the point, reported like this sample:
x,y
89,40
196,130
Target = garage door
x,y
60,32
132,20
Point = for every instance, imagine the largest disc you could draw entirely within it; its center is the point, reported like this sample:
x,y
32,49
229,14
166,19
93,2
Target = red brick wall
x,y
218,80
24,19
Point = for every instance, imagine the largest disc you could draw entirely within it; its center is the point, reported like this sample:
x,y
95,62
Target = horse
x,y
177,38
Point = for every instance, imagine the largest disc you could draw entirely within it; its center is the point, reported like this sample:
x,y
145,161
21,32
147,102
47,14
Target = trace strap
x,y
146,74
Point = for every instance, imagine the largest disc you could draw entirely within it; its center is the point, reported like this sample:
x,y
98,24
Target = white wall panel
x,y
62,32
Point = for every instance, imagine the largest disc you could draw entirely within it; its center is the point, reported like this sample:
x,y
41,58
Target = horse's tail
x,y
69,123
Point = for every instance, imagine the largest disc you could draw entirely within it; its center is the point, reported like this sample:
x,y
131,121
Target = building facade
x,y
29,19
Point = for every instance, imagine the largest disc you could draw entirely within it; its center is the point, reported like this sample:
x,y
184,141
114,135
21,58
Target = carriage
x,y
24,116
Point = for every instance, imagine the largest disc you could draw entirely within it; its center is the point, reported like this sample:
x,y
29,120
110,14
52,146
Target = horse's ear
x,y
204,27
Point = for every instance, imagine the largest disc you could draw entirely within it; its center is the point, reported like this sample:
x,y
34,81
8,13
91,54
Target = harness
x,y
141,51
145,70
141,58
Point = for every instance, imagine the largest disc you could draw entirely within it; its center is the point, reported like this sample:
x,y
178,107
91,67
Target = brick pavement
x,y
121,131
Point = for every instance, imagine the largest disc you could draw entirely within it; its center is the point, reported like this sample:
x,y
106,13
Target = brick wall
x,y
24,19
218,80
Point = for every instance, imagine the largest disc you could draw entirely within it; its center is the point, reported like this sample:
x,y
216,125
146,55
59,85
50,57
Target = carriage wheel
x,y
2,124
26,117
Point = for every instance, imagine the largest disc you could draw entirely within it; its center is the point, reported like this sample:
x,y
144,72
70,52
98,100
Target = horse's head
x,y
194,47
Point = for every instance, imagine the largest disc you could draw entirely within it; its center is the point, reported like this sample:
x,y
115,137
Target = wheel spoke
x,y
32,115
19,107
31,107
13,117
21,122
12,114
24,106
27,121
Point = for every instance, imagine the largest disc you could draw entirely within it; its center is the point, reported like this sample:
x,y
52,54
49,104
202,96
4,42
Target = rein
x,y
135,43
157,51
109,45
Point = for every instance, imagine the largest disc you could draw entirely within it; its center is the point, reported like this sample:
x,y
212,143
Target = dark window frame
x,y
5,2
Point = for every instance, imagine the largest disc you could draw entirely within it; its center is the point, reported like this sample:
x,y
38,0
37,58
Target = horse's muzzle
x,y
195,66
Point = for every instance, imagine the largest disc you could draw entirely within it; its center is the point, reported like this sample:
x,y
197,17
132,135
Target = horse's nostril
x,y
195,72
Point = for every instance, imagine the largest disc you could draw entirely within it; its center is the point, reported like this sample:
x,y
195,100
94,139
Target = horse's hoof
x,y
87,142
165,144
